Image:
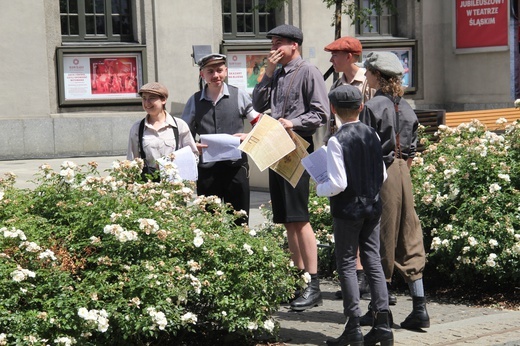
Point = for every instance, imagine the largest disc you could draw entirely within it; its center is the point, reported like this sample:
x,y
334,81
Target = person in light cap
x,y
401,234
158,134
297,97
220,108
356,172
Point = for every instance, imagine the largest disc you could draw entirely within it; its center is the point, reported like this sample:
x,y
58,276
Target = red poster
x,y
481,23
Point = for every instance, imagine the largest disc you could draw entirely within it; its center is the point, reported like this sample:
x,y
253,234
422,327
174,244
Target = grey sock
x,y
416,288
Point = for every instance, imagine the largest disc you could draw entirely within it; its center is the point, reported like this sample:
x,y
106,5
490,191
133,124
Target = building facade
x,y
70,68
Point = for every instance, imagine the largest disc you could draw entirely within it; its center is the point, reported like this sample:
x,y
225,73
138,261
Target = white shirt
x,y
336,170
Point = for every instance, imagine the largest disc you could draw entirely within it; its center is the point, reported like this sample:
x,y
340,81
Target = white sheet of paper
x,y
185,162
221,147
316,165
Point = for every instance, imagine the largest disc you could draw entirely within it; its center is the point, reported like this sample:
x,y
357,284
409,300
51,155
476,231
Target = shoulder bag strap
x,y
141,131
176,133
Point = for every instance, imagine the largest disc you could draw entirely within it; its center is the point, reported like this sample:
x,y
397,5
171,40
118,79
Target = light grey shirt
x,y
296,92
161,142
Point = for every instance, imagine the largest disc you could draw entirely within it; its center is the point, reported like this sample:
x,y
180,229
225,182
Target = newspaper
x,y
290,166
267,142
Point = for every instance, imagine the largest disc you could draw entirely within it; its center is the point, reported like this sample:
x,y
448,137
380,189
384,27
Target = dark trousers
x,y
229,182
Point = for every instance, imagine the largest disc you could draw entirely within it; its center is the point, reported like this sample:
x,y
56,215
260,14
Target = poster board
x,y
405,50
101,75
246,64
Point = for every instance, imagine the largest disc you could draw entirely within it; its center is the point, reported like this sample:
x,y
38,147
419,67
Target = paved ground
x,y
451,324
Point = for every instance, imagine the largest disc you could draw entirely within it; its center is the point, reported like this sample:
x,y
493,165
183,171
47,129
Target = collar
x,y
293,64
204,96
167,122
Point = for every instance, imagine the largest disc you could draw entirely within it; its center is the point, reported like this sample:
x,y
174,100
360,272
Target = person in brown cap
x,y
296,94
345,54
220,108
158,134
401,234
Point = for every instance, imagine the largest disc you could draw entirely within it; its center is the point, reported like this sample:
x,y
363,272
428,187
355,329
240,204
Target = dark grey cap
x,y
211,59
287,31
346,96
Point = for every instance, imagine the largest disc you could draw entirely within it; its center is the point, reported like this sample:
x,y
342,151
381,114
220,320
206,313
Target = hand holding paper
x,y
220,147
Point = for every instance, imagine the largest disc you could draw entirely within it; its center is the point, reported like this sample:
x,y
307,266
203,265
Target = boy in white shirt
x,y
356,173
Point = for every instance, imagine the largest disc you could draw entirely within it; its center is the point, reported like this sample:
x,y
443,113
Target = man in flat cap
x,y
297,96
221,108
356,173
345,53
401,235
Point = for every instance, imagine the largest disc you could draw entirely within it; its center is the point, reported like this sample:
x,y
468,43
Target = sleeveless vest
x,y
364,165
224,117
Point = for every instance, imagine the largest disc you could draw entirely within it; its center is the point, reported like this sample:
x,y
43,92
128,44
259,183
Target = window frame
x,y
108,14
257,16
362,30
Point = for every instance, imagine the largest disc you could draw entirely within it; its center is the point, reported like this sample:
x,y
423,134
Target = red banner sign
x,y
481,23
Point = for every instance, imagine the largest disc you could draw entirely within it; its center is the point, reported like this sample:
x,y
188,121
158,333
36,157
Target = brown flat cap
x,y
346,44
154,88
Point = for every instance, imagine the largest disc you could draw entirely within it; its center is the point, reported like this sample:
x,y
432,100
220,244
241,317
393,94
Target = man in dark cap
x,y
356,172
401,234
297,96
221,108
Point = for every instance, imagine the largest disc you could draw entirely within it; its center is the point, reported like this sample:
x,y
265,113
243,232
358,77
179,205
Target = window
x,y
243,19
96,20
383,24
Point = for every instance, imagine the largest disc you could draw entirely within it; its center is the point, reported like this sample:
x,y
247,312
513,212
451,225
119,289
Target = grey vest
x,y
224,117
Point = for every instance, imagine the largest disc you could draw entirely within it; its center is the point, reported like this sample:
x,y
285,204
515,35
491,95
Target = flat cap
x,y
346,96
154,88
346,44
385,62
211,59
287,31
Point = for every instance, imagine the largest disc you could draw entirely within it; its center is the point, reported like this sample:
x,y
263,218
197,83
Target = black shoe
x,y
351,336
297,293
418,318
381,332
392,299
368,318
310,298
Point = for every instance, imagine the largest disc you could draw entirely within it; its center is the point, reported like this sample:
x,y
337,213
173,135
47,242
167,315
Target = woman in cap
x,y
162,134
401,234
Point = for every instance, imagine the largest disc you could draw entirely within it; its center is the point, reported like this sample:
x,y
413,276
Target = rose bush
x,y
99,260
466,192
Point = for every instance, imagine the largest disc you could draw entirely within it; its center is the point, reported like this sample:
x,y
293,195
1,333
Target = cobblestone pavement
x,y
451,324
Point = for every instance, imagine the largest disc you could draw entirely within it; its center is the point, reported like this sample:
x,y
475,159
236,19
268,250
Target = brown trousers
x,y
401,233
